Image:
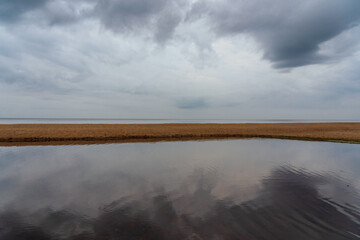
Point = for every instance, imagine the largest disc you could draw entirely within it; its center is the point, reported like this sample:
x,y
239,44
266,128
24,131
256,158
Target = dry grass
x,y
40,134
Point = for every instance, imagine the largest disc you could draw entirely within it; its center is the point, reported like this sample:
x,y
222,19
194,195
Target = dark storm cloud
x,y
50,12
290,32
12,10
166,26
159,16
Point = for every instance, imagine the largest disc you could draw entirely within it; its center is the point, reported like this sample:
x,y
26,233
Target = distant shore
x,y
60,134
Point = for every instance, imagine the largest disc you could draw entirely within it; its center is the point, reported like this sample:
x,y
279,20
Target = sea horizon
x,y
158,120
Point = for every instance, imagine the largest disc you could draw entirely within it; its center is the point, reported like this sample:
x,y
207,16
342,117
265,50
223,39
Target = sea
x,y
157,121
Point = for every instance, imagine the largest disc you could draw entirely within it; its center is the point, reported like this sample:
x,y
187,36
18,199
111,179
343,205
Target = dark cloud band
x,y
12,10
290,32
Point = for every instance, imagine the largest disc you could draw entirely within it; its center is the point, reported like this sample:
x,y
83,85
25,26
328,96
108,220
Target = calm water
x,y
151,121
238,189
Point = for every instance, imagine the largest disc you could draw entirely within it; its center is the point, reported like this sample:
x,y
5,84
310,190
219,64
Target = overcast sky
x,y
248,59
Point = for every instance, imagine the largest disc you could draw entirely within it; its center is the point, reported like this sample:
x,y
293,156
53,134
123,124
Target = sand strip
x,y
59,134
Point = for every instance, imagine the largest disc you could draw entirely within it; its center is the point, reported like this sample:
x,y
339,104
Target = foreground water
x,y
238,189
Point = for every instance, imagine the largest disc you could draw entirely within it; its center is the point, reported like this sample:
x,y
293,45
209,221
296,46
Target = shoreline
x,y
72,134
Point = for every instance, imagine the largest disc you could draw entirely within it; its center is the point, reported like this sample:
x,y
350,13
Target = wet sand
x,y
60,134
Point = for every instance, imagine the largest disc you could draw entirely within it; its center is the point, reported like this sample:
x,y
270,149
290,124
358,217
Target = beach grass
x,y
44,134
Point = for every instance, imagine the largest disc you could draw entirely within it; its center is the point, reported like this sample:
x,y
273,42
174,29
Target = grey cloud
x,y
61,81
12,10
66,12
166,26
191,103
290,32
161,17
34,83
128,15
50,12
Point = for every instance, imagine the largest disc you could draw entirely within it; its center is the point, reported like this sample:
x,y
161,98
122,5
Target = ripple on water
x,y
240,189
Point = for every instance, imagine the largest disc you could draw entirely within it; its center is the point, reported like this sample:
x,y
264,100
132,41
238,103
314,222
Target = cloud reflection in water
x,y
290,203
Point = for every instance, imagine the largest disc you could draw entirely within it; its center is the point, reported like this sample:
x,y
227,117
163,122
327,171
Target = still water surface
x,y
238,189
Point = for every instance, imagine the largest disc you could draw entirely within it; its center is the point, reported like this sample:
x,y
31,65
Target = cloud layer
x,y
290,33
198,57
13,10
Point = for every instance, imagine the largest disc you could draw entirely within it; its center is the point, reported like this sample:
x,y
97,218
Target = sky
x,y
203,59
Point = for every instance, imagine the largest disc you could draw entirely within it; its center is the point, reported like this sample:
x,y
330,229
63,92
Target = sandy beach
x,y
59,134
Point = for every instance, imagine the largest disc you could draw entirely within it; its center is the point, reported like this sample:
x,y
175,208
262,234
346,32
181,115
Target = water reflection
x,y
114,198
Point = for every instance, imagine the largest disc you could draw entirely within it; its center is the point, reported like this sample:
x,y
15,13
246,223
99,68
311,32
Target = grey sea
x,y
156,121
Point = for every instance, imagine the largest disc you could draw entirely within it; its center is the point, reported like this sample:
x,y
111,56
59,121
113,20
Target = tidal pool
x,y
236,189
